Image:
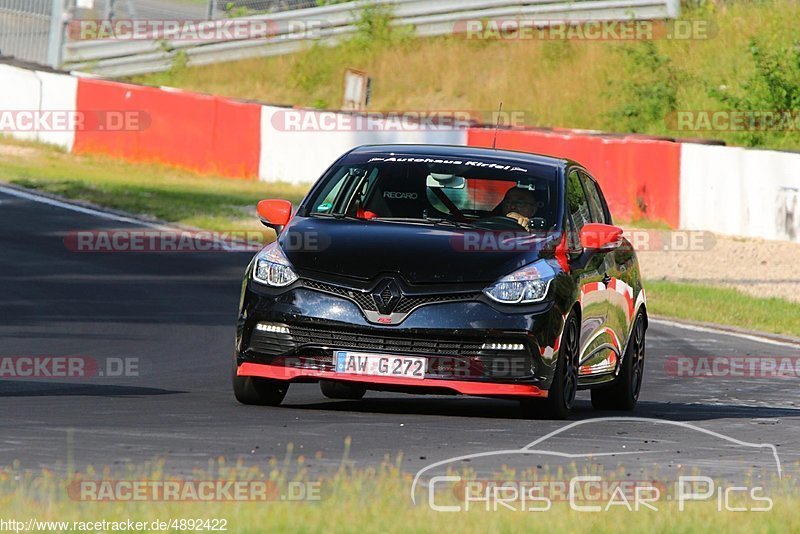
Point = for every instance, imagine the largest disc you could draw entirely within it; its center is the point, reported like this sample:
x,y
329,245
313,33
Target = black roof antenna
x,y
497,126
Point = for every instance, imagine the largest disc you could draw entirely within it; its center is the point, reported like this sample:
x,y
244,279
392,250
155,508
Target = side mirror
x,y
603,237
275,213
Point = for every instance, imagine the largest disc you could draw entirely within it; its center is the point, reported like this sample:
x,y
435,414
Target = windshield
x,y
488,194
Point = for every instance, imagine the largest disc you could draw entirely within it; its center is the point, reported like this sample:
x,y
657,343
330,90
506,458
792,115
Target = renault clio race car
x,y
445,270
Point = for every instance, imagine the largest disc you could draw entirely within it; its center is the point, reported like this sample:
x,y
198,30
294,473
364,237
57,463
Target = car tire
x,y
563,390
258,391
339,391
623,394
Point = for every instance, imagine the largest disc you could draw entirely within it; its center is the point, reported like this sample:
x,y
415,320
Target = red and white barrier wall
x,y
207,134
299,145
23,90
727,190
640,177
741,192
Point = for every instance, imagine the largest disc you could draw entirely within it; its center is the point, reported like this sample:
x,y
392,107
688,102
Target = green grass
x,y
151,190
607,85
368,500
722,306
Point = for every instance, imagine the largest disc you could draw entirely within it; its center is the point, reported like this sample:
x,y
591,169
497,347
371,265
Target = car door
x,y
616,272
589,270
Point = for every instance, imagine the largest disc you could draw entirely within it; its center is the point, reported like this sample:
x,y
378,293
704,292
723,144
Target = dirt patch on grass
x,y
754,266
17,151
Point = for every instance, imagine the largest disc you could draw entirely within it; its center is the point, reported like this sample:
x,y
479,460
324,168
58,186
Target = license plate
x,y
357,363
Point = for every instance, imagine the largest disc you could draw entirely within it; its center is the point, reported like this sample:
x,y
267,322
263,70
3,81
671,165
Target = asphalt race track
x,y
175,313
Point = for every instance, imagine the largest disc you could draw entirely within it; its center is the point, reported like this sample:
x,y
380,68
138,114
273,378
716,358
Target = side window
x,y
595,200
578,209
338,192
327,199
326,206
609,219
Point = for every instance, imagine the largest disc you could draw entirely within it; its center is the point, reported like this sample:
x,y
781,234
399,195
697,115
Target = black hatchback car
x,y
445,270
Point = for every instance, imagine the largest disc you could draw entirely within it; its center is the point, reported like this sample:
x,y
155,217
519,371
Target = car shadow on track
x,y
507,409
49,389
486,408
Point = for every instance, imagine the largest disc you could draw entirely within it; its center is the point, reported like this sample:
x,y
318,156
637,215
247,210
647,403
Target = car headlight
x,y
272,268
525,286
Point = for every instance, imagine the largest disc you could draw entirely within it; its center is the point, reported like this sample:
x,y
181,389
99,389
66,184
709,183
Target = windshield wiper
x,y
429,220
448,222
338,216
343,216
445,222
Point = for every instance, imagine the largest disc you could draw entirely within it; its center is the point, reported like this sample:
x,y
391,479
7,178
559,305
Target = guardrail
x,y
26,31
115,57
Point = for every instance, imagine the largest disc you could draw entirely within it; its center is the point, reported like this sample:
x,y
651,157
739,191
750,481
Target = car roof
x,y
451,151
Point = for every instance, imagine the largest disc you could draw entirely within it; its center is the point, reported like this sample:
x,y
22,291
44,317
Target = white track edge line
x,y
104,214
740,335
75,207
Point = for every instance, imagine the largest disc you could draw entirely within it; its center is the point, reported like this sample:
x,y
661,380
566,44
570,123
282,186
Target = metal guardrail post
x,y
112,7
212,9
674,9
56,38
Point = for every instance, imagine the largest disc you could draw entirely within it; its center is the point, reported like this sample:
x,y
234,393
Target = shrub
x,y
646,87
774,86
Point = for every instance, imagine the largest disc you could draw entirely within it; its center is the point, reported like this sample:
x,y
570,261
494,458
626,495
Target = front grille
x,y
407,302
385,342
447,357
364,300
274,344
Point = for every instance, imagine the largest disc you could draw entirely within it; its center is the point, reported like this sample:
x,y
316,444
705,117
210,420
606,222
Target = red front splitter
x,y
477,389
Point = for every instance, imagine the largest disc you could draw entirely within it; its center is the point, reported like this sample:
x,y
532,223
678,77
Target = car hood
x,y
418,253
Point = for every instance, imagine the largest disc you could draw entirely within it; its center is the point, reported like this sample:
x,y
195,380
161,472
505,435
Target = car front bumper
x,y
306,327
